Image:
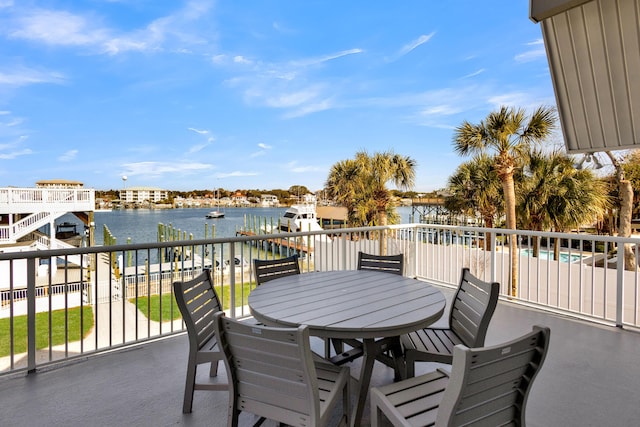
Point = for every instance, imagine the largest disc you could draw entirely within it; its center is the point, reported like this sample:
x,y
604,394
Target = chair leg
x,y
189,386
338,345
346,403
214,368
409,366
400,368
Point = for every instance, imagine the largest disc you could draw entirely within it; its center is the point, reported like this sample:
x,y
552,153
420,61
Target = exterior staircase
x,y
25,210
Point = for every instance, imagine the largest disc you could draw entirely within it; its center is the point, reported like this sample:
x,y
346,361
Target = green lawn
x,y
42,329
170,309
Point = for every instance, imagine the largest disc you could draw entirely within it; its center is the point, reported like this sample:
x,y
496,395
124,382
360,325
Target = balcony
x,y
130,370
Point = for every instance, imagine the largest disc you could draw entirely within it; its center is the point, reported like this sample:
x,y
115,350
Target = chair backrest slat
x,y
489,386
385,263
271,370
472,308
266,270
198,302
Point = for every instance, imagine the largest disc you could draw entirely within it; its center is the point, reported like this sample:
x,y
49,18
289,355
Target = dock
x,y
278,244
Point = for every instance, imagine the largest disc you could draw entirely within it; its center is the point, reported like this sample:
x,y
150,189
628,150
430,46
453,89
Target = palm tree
x,y
508,133
344,185
475,188
554,195
380,169
360,184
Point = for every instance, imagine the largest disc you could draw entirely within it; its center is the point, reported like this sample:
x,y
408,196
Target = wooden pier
x,y
273,243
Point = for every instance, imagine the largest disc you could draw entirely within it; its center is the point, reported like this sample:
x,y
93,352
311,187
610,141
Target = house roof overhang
x,y
593,49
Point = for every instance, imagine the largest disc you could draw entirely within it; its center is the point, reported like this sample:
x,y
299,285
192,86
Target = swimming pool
x,y
564,257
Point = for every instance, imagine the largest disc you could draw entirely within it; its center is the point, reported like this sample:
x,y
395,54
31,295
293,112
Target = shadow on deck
x,y
590,378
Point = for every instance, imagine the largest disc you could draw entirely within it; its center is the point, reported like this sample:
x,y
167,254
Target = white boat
x,y
215,214
300,217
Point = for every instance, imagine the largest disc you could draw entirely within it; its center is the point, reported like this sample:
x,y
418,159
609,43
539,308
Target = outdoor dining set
x,y
375,314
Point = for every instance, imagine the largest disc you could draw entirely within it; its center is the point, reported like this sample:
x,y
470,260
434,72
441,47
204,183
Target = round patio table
x,y
374,307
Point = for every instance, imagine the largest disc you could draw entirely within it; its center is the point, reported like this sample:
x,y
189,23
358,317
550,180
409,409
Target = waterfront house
x,y
269,201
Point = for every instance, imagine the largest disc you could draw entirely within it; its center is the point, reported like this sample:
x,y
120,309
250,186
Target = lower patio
x,y
591,377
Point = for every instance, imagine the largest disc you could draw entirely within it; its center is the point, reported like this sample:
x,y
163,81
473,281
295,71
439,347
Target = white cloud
x,y
57,28
68,156
22,76
321,59
409,47
200,131
415,43
239,59
236,174
173,32
294,99
287,85
263,150
13,154
295,168
11,150
315,107
533,54
198,147
475,73
160,168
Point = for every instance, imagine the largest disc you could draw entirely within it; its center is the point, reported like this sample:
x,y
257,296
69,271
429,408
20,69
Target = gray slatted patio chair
x,y
269,269
471,310
488,386
273,374
198,302
386,263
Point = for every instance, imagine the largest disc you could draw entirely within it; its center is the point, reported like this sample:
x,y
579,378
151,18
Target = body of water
x,y
141,225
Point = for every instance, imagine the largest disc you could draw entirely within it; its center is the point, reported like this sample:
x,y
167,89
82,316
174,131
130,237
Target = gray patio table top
x,y
374,307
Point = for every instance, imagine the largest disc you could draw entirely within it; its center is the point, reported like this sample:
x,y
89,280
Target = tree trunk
x,y
626,208
626,211
488,222
510,205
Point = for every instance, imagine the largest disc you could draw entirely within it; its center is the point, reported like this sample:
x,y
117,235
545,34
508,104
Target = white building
x,y
269,201
143,194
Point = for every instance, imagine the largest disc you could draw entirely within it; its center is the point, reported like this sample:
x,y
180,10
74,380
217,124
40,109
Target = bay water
x,y
141,225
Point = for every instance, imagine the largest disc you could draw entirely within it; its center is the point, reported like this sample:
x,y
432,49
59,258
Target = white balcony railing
x,y
122,295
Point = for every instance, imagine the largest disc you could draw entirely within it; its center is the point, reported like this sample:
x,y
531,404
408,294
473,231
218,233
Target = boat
x,y
300,217
215,214
68,233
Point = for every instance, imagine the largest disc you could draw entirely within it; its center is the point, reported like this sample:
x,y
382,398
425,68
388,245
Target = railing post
x,y
232,277
31,315
619,284
415,249
492,243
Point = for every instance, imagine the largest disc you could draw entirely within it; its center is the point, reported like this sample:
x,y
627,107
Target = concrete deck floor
x,y
591,377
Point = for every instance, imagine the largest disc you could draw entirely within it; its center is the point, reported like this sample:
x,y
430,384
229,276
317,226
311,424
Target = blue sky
x,y
252,94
